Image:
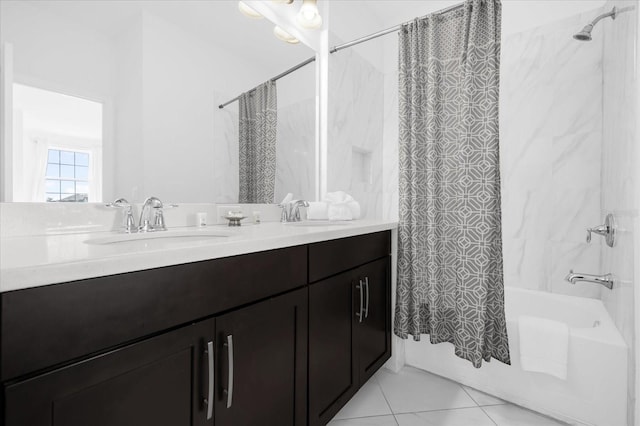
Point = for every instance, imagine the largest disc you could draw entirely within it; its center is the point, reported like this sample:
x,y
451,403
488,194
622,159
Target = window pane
x,y
82,187
54,156
66,171
68,198
67,187
82,159
66,157
53,170
82,172
53,197
52,186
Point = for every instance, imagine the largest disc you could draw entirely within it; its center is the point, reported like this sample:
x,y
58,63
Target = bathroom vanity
x,y
273,337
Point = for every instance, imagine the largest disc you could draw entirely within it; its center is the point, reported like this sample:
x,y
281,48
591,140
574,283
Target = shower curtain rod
x,y
339,47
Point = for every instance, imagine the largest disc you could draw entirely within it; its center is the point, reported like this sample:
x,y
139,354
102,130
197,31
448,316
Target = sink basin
x,y
320,223
177,235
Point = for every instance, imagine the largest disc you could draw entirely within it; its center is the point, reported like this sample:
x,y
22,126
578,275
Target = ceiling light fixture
x,y
309,16
284,36
247,11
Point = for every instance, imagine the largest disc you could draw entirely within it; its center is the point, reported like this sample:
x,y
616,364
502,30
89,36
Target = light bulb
x,y
284,36
247,11
309,16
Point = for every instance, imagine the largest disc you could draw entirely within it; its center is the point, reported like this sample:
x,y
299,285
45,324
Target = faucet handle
x,y
128,221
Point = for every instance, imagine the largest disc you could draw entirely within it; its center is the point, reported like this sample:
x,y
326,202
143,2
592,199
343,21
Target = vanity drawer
x,y
332,257
45,326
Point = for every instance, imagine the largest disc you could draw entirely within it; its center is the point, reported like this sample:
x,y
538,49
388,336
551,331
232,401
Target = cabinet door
x,y
158,381
262,358
332,373
373,334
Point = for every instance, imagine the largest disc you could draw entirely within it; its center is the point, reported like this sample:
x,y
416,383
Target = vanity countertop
x,y
32,261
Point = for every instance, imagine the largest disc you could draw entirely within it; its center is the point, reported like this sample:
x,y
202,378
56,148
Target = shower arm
x,y
611,13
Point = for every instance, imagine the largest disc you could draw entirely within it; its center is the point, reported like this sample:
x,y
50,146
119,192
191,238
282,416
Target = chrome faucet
x,y
606,279
608,230
128,221
291,210
152,215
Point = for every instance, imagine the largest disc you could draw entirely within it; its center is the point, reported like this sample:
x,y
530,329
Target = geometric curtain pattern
x,y
450,280
258,122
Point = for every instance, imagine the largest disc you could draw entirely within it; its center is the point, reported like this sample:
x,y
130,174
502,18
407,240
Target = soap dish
x,y
234,218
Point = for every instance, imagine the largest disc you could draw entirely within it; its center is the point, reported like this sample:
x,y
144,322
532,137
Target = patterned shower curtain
x,y
450,282
258,122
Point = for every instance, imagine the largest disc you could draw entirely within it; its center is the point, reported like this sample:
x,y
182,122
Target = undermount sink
x,y
319,223
174,235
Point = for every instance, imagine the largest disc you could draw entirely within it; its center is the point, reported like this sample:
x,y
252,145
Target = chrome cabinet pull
x,y
366,306
359,314
229,390
209,399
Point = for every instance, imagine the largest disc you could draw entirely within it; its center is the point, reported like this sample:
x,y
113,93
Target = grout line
x,y
488,416
385,399
479,406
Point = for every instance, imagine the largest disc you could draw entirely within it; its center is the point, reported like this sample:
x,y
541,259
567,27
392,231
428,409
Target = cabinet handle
x,y
209,399
229,390
359,314
366,306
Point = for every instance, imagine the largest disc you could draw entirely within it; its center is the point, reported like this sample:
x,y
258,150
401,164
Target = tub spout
x,y
606,279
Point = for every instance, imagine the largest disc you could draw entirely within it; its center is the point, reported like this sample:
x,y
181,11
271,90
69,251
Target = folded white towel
x,y
354,206
340,211
318,210
338,197
544,345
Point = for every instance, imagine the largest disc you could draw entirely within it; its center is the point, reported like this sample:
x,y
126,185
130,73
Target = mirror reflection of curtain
x,y
258,122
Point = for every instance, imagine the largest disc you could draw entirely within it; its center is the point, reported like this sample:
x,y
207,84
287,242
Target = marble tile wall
x,y
295,151
355,151
619,163
551,131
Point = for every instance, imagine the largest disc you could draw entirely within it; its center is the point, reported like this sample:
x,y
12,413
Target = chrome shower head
x,y
585,34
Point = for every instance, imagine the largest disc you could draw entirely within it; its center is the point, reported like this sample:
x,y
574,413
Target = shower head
x,y
585,34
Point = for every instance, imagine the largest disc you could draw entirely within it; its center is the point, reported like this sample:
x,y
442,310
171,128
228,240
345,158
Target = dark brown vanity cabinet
x,y
349,322
249,364
159,381
276,338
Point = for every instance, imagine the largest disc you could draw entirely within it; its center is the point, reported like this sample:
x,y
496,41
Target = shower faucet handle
x,y
608,231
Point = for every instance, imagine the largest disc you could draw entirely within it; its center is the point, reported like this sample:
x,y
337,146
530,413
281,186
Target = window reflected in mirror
x,y
59,150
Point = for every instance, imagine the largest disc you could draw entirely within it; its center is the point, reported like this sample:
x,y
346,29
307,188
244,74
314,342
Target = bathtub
x,y
595,392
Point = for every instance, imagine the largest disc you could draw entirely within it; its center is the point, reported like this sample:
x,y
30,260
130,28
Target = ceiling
x,y
216,21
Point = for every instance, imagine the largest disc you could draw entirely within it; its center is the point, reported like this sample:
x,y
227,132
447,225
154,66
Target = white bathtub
x,y
595,392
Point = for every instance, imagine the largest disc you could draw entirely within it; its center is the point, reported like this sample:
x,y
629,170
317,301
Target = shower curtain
x,y
258,122
450,282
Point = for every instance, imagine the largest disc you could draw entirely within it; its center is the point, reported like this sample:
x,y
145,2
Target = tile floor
x,y
416,398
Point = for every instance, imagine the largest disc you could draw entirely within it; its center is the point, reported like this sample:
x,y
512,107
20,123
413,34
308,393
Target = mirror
x,y
133,88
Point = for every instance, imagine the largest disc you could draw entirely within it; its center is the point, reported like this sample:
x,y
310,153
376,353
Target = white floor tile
x,y
458,417
512,415
366,421
369,401
482,398
412,390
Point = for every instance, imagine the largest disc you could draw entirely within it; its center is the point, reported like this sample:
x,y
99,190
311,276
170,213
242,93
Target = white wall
x,y
619,180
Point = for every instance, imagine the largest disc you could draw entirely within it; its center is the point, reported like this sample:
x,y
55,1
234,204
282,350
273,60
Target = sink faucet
x,y
152,216
291,210
606,279
128,221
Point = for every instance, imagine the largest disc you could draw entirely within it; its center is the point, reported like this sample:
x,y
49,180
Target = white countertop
x,y
32,261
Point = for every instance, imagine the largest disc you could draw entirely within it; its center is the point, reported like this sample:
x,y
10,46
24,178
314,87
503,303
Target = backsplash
x,y
22,219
